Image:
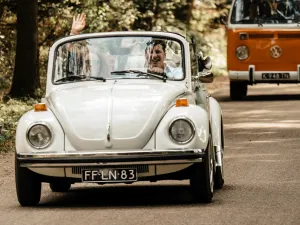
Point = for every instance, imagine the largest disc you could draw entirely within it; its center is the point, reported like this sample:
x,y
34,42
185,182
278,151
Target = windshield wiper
x,y
98,78
79,77
71,78
141,73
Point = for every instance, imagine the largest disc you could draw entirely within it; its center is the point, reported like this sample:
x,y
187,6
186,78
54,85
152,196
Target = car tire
x,y
60,187
28,186
219,177
219,174
238,90
202,178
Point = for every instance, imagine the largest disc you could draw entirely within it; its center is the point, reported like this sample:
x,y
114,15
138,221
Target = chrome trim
x,y
109,118
257,76
252,79
39,123
137,157
190,122
219,155
275,51
109,154
58,165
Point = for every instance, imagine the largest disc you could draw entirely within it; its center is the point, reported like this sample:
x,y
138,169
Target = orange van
x,y
263,44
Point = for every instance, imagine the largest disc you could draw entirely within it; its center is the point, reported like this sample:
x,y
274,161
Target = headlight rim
x,y
236,51
39,123
190,122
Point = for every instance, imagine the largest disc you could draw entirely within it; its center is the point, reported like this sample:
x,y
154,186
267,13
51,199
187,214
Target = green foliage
x,y
196,18
10,113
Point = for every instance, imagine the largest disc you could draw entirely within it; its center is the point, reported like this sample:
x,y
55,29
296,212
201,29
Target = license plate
x,y
109,175
275,76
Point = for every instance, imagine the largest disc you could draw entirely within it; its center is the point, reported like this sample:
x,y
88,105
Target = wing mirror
x,y
224,19
207,63
204,63
204,77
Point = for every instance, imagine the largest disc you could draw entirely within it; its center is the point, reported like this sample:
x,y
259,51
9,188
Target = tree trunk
x,y
25,80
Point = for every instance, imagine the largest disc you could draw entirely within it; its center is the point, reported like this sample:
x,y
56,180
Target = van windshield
x,y
265,11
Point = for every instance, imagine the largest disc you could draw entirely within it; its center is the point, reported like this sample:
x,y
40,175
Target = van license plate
x,y
275,76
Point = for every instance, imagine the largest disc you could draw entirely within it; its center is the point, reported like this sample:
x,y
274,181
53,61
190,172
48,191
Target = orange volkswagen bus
x,y
263,43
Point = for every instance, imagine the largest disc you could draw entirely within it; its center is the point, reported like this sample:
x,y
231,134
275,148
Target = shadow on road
x,y
121,196
253,98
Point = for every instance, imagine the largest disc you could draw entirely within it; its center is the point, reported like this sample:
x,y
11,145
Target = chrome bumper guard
x,y
253,76
145,157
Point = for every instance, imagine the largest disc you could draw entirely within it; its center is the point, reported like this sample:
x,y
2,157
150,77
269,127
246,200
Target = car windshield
x,y
265,11
118,58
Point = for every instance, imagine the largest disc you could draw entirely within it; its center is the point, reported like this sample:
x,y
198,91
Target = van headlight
x,y
182,130
39,135
242,52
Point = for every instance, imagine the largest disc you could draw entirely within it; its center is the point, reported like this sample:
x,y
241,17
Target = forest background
x,y
198,18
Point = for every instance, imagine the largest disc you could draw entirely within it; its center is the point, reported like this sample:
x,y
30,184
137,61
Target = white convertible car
x,y
122,107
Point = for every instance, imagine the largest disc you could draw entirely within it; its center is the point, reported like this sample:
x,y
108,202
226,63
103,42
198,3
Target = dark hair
x,y
154,42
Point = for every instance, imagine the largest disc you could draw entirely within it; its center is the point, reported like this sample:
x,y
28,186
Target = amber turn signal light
x,y
182,102
40,107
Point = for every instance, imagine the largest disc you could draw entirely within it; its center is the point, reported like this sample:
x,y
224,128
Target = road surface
x,y
262,172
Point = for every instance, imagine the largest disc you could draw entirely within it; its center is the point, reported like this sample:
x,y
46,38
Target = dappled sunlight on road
x,y
251,125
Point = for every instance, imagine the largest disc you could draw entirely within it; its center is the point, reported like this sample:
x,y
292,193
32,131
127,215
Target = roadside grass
x,y
10,113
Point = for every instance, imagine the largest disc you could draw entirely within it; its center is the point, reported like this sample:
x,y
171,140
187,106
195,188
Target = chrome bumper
x,y
253,76
102,158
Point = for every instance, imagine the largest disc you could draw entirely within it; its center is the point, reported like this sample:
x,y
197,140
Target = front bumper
x,y
112,158
252,76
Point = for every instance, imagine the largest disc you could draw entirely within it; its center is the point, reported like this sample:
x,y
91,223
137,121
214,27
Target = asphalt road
x,y
262,172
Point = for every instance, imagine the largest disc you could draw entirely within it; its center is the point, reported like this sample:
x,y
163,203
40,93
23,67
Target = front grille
x,y
139,168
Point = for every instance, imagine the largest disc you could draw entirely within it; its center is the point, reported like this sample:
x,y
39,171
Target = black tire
x,y
219,174
60,187
219,177
202,178
28,186
238,90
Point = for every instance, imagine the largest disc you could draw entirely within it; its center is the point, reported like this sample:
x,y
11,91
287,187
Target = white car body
x,y
120,124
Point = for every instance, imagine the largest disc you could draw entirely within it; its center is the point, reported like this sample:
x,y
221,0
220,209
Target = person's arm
x,y
78,24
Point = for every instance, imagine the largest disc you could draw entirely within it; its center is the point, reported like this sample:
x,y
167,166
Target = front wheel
x,y
238,90
219,175
28,186
202,178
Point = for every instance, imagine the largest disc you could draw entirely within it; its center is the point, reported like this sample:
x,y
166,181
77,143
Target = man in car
x,y
155,52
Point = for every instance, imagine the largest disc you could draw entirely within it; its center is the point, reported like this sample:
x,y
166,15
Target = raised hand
x,y
78,23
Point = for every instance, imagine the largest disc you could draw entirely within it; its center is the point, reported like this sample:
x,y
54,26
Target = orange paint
x,y
259,42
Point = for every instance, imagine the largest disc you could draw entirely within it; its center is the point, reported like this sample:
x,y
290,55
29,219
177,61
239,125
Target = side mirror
x,y
204,63
224,19
207,63
205,77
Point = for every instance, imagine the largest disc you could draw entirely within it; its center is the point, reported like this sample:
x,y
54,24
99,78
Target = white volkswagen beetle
x,y
122,107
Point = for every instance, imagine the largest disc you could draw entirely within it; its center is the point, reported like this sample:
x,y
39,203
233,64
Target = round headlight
x,y
39,136
182,131
242,53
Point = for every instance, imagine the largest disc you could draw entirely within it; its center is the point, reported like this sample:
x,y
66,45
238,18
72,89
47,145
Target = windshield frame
x,y
83,37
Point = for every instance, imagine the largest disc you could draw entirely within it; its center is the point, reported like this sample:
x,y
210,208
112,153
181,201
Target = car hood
x,y
112,116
